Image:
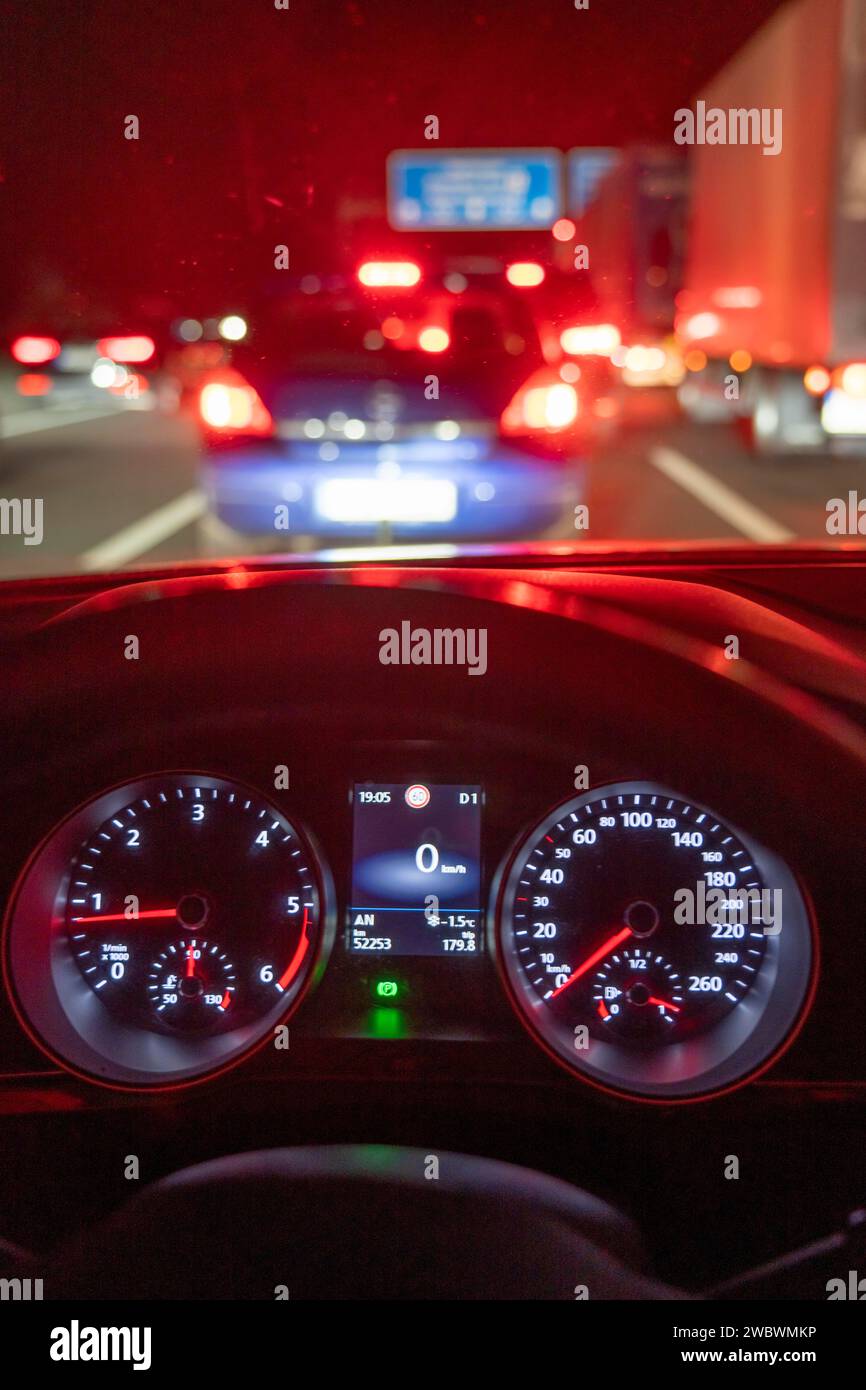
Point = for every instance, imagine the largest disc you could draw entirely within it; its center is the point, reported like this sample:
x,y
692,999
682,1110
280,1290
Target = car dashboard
x,y
547,858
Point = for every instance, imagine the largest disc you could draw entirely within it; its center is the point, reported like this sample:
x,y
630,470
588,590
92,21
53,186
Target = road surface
x,y
119,486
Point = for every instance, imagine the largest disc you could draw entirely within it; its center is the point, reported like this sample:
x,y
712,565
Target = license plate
x,y
78,357
372,500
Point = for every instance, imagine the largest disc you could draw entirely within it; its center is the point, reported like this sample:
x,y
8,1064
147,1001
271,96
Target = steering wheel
x,y
358,1222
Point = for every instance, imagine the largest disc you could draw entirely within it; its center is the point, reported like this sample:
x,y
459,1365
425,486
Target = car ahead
x,y
385,409
77,368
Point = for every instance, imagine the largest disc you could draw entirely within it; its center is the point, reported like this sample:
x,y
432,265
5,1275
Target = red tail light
x,y
137,348
229,405
389,274
524,274
433,339
852,380
545,404
816,380
34,384
591,339
31,352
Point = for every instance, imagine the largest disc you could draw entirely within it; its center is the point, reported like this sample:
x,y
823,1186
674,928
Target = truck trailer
x,y
772,315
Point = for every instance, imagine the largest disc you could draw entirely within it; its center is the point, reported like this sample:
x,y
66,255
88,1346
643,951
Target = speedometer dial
x,y
650,945
164,928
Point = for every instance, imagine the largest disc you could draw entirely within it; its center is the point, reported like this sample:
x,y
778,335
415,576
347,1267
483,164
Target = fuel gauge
x,y
638,993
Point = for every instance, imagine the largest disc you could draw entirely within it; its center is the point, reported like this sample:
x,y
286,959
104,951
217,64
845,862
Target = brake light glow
x,y
544,402
524,274
551,407
843,414
644,359
695,360
590,339
816,380
852,380
232,405
30,352
737,297
34,384
233,328
389,274
704,325
433,339
135,348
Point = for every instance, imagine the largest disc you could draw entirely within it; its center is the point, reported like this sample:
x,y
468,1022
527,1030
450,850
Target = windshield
x,y
280,279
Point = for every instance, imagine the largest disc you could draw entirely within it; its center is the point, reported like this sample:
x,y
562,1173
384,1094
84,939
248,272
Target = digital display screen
x,y
416,870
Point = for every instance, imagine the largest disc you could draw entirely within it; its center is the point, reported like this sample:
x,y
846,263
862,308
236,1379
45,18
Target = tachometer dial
x,y
652,946
164,927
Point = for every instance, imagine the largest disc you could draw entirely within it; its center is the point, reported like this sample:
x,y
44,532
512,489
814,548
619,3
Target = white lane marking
x,y
717,497
145,533
32,421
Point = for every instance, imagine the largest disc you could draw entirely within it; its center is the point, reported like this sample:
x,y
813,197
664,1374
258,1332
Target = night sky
x,y
256,122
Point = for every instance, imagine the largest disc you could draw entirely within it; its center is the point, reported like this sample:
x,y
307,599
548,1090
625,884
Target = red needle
x,y
123,917
603,950
190,962
663,1004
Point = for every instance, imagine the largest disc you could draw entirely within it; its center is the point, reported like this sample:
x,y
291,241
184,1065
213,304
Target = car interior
x,y
413,1116
433,670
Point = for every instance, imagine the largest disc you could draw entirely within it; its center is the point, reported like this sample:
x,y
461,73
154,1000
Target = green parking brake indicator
x,y
387,989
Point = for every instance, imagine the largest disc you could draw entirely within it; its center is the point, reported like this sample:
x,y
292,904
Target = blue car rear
x,y
365,416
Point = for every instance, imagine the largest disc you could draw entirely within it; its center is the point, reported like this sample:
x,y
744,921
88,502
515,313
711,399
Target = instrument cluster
x,y
172,924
